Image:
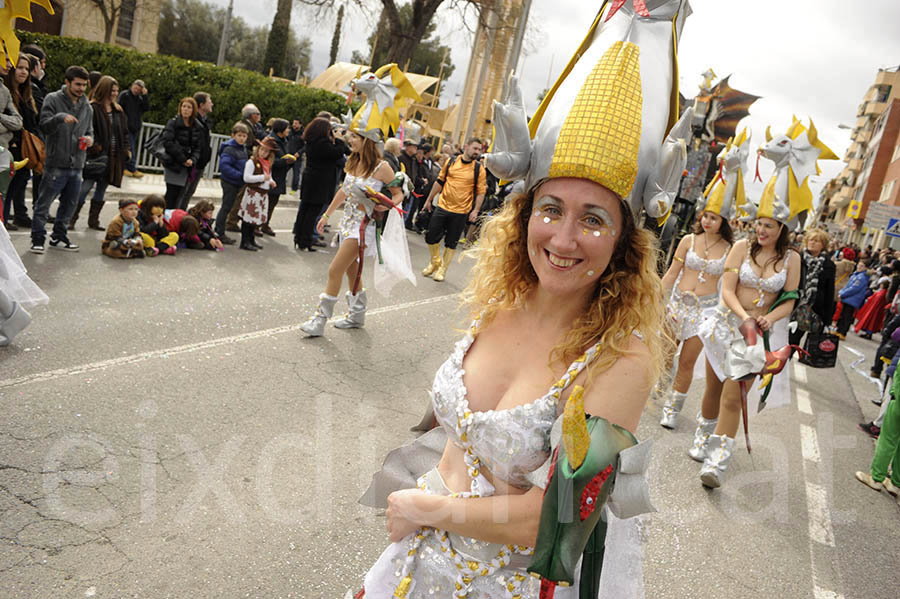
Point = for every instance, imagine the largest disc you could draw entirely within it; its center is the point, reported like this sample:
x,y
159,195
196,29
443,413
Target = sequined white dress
x,y
685,308
719,330
356,206
514,445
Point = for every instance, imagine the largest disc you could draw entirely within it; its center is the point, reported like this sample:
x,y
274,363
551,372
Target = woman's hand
x,y
320,226
188,162
763,323
405,510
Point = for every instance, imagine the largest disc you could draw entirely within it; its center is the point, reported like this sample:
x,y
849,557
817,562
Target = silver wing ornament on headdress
x,y
607,117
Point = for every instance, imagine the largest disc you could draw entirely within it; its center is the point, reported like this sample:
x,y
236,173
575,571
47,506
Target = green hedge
x,y
169,79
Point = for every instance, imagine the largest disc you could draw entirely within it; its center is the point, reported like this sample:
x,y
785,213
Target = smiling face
x,y
767,231
711,222
356,142
572,233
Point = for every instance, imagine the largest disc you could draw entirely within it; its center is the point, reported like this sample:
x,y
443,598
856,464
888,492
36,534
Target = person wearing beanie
x,y
123,235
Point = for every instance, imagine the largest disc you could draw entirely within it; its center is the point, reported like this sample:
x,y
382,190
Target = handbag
x,y
806,319
822,350
156,147
34,150
95,168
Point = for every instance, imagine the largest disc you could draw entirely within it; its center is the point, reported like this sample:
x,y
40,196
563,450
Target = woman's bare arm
x,y
730,279
671,275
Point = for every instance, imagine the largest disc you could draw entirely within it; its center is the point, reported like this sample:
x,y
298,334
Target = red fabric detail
x,y
173,222
592,490
640,7
614,8
837,312
757,177
548,589
360,594
871,315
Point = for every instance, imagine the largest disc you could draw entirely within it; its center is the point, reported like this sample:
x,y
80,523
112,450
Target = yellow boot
x,y
445,263
435,251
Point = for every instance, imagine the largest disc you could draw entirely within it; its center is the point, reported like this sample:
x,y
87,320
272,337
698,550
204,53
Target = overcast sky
x,y
812,58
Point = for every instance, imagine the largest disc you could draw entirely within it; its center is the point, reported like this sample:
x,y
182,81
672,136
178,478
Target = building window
x,y
126,20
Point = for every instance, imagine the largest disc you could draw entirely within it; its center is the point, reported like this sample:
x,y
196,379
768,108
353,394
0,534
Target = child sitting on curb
x,y
157,238
187,227
123,235
203,212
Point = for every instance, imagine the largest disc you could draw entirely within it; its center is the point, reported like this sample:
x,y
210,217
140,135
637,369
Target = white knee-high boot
x,y
315,326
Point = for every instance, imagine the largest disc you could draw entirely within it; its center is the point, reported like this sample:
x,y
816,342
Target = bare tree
x,y
109,10
403,36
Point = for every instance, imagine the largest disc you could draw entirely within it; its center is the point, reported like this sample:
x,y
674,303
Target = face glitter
x,y
590,273
547,220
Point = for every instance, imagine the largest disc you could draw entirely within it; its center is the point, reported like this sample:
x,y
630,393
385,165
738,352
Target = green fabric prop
x,y
570,524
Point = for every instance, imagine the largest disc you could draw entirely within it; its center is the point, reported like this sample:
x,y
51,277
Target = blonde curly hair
x,y
628,296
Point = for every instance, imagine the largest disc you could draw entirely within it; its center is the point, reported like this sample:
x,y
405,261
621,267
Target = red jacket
x,y
173,219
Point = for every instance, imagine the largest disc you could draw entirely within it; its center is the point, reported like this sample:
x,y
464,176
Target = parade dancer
x,y
693,279
566,276
759,288
17,291
366,176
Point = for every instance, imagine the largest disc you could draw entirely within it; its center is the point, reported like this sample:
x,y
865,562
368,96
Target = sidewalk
x,y
208,189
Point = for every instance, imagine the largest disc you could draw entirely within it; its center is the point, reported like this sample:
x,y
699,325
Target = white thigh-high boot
x,y
315,326
672,408
700,446
712,473
356,316
13,319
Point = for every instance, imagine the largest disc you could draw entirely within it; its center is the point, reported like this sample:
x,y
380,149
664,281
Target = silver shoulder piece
x,y
662,186
631,494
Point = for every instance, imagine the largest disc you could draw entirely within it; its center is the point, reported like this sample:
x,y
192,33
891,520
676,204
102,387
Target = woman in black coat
x,y
280,168
110,141
816,284
323,152
19,83
182,139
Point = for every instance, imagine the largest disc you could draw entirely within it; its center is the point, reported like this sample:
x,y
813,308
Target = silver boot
x,y
13,319
712,473
315,326
672,408
700,446
356,317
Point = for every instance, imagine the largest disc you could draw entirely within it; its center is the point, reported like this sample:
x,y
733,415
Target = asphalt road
x,y
168,432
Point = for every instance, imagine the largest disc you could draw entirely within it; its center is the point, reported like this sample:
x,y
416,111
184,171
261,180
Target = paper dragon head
x,y
607,117
387,91
726,191
787,197
10,10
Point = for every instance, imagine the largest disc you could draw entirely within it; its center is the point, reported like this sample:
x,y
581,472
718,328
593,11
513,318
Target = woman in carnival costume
x,y
511,496
758,292
694,275
367,174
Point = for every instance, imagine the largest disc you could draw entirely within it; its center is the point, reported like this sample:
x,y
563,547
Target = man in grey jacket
x,y
67,121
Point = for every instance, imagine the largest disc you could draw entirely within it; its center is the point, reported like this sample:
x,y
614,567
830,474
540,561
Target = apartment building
x,y
871,152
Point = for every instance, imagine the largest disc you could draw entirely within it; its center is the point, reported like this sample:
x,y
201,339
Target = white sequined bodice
x,y
772,284
509,443
355,186
711,267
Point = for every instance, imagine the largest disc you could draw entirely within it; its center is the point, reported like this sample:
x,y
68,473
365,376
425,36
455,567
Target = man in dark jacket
x,y
204,107
295,146
67,121
411,168
135,103
232,158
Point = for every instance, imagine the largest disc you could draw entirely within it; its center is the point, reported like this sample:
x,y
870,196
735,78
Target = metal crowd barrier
x,y
146,161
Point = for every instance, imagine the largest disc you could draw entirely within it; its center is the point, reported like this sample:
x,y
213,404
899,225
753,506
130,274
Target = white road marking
x,y
809,444
800,372
820,529
50,375
803,403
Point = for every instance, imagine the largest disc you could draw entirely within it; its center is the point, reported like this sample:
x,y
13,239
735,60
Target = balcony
x,y
855,165
887,78
875,108
862,121
861,135
842,198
